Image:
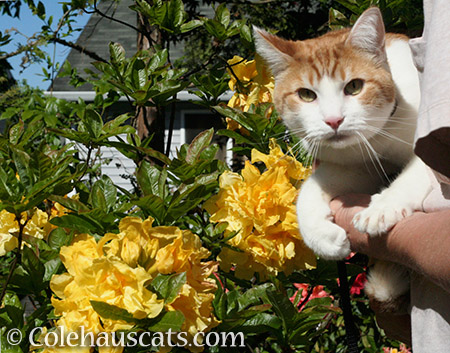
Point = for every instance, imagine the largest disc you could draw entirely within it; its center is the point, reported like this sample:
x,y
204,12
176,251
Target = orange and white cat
x,y
352,97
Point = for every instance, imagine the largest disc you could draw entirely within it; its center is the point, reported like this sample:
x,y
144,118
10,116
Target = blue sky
x,y
28,24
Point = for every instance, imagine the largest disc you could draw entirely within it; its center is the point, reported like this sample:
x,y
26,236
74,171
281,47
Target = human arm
x,y
420,242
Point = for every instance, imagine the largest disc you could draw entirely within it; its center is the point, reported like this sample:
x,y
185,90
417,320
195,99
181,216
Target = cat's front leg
x,y
319,233
404,196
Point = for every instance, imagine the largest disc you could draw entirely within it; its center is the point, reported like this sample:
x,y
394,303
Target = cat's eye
x,y
306,95
354,87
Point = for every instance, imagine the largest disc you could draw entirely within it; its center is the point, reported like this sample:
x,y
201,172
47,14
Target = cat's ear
x,y
275,51
368,33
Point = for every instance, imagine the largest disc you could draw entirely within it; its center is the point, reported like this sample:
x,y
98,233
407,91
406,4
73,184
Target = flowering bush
x,y
127,271
259,209
198,246
251,83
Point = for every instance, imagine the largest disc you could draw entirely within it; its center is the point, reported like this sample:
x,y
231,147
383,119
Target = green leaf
x,y
169,320
209,153
246,36
189,26
58,238
70,203
216,29
93,123
16,132
51,268
33,129
158,60
237,137
200,142
35,269
31,262
152,205
40,10
223,15
236,115
125,148
77,222
78,136
13,308
253,295
168,286
164,90
175,14
151,179
117,53
219,302
112,312
8,184
103,194
283,307
113,124
261,322
22,162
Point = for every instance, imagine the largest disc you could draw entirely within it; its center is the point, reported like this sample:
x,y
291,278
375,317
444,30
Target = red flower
x,y
358,284
317,292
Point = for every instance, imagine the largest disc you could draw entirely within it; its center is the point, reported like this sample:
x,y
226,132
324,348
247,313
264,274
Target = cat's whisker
x,y
373,155
360,143
387,135
317,145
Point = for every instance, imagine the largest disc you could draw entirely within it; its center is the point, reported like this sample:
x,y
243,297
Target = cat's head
x,y
333,89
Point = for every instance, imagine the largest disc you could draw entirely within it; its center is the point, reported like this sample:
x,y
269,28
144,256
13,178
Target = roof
x,y
100,31
96,36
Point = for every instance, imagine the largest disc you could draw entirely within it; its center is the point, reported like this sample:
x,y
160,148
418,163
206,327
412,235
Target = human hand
x,y
344,208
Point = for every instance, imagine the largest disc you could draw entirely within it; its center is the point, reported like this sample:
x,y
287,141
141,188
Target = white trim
x,y
229,152
183,126
90,95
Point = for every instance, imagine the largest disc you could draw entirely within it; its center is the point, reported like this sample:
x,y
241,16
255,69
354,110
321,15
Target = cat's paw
x,y
328,241
381,215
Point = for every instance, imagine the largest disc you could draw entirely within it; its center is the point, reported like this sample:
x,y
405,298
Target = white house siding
x,y
189,121
118,167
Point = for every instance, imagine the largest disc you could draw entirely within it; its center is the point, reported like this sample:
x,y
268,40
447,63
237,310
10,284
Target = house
x,y
190,119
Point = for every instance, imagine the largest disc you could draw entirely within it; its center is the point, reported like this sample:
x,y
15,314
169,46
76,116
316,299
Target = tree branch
x,y
79,48
97,11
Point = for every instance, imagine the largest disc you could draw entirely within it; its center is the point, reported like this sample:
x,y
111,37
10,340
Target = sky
x,y
28,24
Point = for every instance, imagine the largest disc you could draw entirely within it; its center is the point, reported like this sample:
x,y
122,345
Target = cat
x,y
352,97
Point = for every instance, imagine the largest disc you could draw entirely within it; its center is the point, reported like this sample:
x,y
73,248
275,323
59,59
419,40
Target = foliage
x,y
403,16
187,249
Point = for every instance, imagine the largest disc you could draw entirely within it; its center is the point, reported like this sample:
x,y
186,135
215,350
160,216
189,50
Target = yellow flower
x,y
9,227
37,226
242,72
276,158
138,242
108,279
196,307
260,207
57,210
92,276
118,269
252,84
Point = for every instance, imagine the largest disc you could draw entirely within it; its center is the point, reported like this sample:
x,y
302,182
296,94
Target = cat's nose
x,y
334,121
